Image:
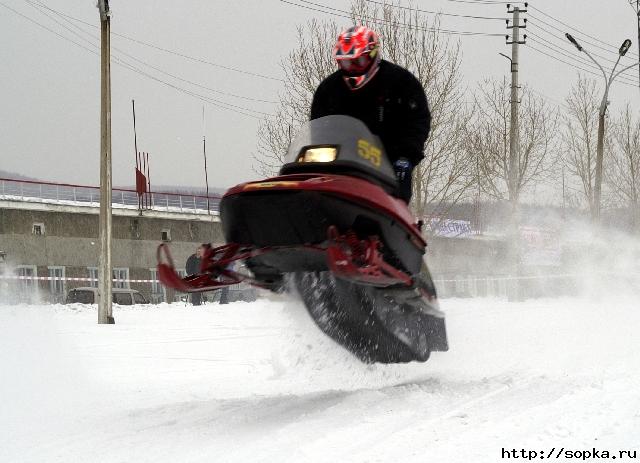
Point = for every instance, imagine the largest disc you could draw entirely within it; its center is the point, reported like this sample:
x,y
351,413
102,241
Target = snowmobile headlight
x,y
319,154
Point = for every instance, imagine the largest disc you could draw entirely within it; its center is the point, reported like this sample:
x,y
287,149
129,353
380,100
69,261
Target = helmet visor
x,y
355,66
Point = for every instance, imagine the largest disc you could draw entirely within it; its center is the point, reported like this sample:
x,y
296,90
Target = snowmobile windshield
x,y
342,145
346,133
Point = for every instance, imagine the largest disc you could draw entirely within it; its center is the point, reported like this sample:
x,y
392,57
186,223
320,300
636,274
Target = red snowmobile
x,y
330,226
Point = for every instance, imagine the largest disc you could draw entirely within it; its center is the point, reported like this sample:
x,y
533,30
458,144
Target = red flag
x,y
141,182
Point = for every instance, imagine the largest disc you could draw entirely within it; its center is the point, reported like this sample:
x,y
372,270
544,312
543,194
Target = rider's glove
x,y
403,168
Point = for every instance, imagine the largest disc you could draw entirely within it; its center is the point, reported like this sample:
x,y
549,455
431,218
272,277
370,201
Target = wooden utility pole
x,y
514,148
105,314
513,126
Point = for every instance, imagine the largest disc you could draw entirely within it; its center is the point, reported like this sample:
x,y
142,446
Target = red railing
x,y
67,193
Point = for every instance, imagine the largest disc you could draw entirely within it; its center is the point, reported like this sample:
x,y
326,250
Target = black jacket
x,y
393,105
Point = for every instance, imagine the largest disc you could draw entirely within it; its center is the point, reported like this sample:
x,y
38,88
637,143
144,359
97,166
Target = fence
x,y
462,286
68,194
16,288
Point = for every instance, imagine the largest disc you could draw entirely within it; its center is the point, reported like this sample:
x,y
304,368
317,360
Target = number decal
x,y
370,152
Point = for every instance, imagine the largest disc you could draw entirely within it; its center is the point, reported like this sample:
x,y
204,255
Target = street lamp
x,y
597,189
624,48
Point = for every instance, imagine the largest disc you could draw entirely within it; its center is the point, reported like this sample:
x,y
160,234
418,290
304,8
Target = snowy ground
x,y
258,382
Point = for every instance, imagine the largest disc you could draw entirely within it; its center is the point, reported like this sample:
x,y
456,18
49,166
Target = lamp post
x,y
597,188
636,8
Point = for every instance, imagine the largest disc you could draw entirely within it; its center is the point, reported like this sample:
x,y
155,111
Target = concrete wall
x,y
70,240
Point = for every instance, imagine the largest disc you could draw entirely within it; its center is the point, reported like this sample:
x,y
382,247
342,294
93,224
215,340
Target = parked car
x,y
89,295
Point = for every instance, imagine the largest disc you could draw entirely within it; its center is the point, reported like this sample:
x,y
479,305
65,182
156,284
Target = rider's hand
x,y
402,168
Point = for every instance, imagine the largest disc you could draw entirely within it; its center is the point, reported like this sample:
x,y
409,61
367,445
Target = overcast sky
x,y
50,87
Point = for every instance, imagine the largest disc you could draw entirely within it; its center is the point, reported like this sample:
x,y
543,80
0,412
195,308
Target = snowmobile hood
x,y
348,188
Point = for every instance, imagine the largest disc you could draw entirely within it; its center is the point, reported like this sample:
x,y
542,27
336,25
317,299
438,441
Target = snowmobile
x,y
330,226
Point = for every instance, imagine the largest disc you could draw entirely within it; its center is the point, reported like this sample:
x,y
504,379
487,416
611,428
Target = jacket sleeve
x,y
415,123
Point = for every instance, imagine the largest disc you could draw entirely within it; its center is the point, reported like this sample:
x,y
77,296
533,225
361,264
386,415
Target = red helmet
x,y
357,52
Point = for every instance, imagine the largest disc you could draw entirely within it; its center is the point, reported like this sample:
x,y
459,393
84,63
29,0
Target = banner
x,y
451,228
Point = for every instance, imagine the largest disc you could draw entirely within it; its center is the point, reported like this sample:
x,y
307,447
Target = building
x,y
49,238
55,239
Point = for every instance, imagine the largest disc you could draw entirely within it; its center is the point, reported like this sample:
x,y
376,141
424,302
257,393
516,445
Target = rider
x,y
383,95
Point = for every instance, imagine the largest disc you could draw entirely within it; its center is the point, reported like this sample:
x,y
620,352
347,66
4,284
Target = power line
x,y
560,60
92,43
438,12
573,29
220,104
552,101
573,65
590,70
204,87
166,50
198,60
216,103
556,49
563,40
48,29
483,2
574,56
595,45
345,14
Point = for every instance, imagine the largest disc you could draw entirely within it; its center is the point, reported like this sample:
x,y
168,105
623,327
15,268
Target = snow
x,y
258,382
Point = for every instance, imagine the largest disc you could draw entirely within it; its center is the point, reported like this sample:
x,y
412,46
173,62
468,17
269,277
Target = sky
x,y
226,57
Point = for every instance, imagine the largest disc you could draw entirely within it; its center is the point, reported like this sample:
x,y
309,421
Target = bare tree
x,y
443,177
412,41
581,136
623,164
304,68
487,138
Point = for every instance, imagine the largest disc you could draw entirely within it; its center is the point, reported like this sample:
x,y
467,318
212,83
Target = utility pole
x,y
105,314
514,145
514,151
